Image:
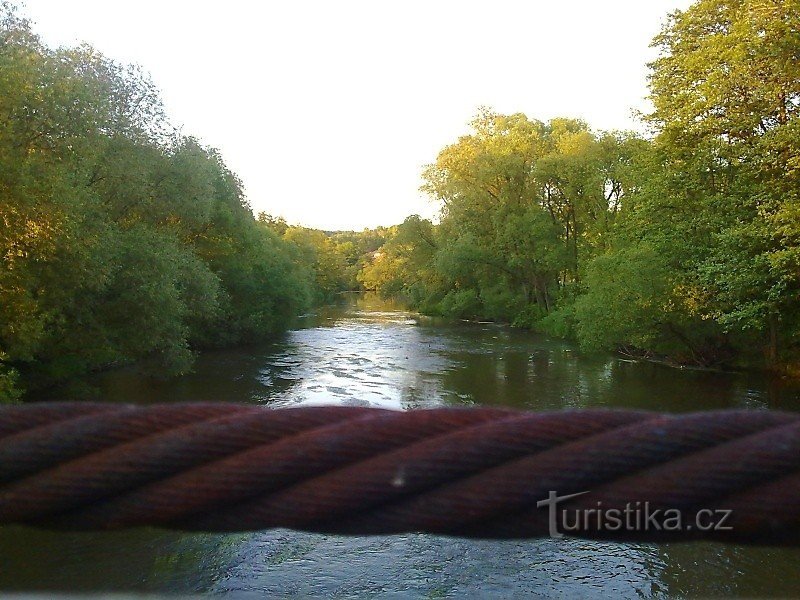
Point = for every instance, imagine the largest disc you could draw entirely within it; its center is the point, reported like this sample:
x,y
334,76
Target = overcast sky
x,y
329,110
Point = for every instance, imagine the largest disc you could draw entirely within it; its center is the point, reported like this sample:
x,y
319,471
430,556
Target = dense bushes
x,y
685,245
121,240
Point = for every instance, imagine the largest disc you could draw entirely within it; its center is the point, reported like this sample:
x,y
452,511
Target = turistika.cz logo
x,y
635,516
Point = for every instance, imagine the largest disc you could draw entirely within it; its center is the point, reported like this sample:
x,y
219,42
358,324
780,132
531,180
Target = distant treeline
x,y
684,244
123,241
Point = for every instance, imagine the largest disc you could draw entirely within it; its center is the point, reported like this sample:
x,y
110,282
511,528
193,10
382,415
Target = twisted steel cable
x,y
477,472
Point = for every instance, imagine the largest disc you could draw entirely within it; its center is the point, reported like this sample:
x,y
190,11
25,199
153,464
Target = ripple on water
x,y
416,565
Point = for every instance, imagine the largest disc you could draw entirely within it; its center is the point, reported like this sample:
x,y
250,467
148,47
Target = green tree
x,y
121,241
318,254
525,205
726,91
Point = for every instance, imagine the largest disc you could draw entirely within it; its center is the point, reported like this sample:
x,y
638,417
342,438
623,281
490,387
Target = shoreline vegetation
x,y
682,246
124,241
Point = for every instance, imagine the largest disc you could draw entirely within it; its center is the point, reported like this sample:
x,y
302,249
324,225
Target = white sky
x,y
329,110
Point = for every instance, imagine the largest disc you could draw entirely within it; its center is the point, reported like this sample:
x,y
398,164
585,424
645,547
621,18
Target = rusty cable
x,y
474,472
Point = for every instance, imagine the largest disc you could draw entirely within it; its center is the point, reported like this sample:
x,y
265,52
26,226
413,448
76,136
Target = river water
x,y
372,352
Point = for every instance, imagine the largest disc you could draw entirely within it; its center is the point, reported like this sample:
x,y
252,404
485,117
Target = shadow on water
x,y
372,352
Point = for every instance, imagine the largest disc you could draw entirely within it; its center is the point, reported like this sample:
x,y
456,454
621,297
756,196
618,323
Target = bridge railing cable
x,y
731,475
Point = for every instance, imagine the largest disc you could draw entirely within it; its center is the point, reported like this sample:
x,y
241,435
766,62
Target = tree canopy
x,y
684,243
122,240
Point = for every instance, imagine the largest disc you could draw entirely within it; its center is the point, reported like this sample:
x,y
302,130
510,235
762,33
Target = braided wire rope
x,y
472,472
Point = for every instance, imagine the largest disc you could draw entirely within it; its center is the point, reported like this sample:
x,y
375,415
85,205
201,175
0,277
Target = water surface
x,y
371,352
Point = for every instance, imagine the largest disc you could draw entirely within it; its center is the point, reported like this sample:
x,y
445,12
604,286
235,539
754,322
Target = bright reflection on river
x,y
374,353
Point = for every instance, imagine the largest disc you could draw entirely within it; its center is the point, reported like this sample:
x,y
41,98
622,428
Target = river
x,y
376,353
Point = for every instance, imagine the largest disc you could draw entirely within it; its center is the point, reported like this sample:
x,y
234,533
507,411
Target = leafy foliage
x,y
121,240
685,245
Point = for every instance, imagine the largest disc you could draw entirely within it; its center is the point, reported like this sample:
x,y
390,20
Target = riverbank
x,y
725,359
370,352
366,349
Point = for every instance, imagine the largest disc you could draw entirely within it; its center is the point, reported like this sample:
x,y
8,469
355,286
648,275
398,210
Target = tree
x,y
525,205
404,264
318,254
726,91
121,240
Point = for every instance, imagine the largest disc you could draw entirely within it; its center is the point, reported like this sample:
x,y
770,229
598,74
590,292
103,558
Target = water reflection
x,y
375,353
